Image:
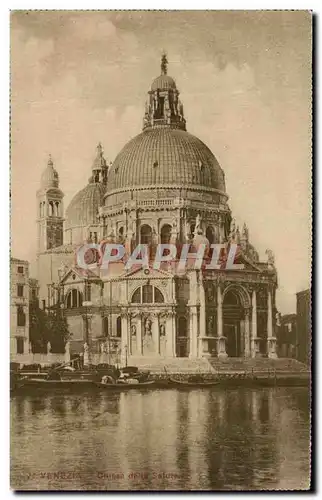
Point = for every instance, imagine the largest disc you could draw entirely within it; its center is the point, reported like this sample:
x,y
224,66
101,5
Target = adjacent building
x,y
303,326
19,306
286,336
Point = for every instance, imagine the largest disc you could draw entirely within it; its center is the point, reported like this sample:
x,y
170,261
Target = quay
x,y
181,374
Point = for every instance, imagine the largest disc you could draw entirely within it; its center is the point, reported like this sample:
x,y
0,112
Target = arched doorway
x,y
233,315
165,234
182,340
145,235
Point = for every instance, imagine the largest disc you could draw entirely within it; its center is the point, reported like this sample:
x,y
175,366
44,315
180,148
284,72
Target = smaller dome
x,y
49,177
83,209
163,82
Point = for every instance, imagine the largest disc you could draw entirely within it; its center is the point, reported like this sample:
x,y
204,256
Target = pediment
x,y
249,265
77,273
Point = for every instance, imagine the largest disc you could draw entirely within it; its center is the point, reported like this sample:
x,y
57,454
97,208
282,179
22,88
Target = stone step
x,y
242,364
214,365
171,365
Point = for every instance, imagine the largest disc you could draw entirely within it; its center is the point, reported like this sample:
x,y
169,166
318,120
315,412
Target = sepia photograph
x,y
160,250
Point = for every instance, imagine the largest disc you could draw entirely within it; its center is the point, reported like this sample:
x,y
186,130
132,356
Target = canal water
x,y
203,439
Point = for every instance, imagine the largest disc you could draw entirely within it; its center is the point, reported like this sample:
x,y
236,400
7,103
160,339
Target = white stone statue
x,y
67,352
270,258
86,354
148,327
48,347
232,229
102,348
198,223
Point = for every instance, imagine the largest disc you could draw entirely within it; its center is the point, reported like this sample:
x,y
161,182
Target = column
x,y
254,340
221,341
203,347
174,334
193,327
139,336
124,338
170,336
129,335
156,333
193,323
202,309
271,339
247,351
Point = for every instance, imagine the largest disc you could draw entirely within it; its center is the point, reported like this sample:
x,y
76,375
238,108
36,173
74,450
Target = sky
x,y
80,77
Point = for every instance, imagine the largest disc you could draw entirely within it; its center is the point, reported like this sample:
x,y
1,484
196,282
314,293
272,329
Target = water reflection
x,y
198,439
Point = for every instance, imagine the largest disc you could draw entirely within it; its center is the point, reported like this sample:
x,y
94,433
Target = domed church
x,y
165,186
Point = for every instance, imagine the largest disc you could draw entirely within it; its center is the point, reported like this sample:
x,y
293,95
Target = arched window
x,y
165,234
105,326
51,208
118,327
74,299
136,297
146,235
158,297
231,298
121,234
147,294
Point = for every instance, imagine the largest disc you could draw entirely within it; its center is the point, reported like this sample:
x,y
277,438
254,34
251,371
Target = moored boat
x,y
125,386
37,383
194,383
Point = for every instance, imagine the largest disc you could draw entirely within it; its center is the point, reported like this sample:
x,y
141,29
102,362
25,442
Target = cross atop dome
x,y
164,64
50,162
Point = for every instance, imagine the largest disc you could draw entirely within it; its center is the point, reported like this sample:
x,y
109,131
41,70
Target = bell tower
x,y
50,211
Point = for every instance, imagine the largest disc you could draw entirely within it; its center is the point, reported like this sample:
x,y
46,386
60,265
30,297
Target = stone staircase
x,y
214,365
237,365
171,365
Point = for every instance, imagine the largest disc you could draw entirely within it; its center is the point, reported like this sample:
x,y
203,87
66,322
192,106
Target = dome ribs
x,y
164,156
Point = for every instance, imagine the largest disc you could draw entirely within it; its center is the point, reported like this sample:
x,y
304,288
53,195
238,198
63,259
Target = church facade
x,y
165,186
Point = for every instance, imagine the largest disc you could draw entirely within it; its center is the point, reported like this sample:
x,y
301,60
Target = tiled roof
x,y
165,156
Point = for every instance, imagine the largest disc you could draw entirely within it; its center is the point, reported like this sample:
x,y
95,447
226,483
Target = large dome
x,y
165,156
82,210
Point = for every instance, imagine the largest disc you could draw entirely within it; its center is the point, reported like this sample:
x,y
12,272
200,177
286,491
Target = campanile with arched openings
x,y
50,210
